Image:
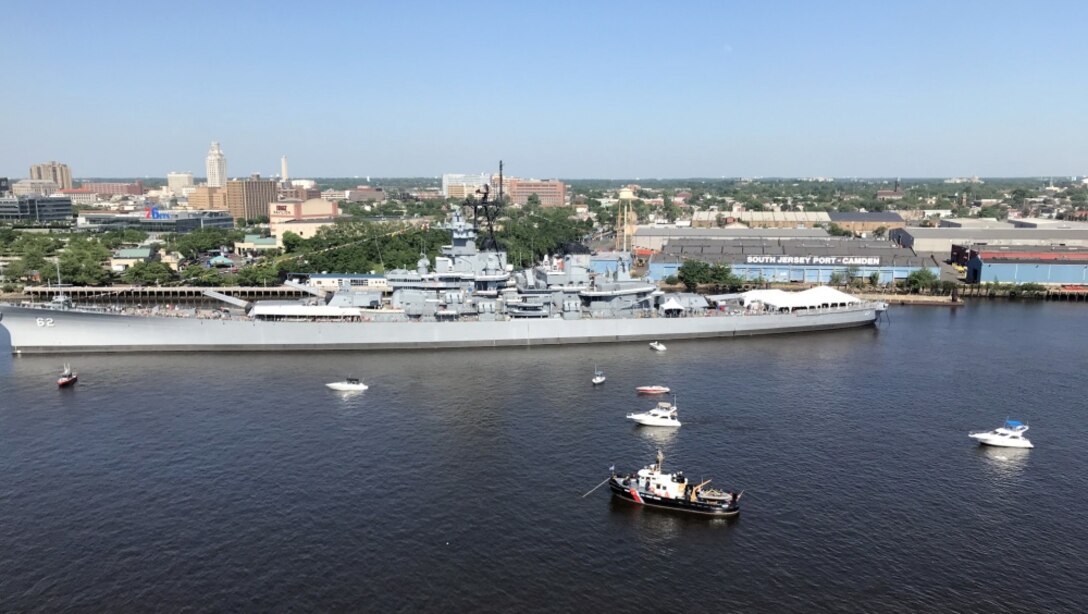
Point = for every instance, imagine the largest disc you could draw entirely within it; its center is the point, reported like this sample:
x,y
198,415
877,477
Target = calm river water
x,y
238,482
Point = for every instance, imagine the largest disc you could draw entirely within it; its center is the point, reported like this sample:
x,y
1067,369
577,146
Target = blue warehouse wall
x,y
784,274
1041,273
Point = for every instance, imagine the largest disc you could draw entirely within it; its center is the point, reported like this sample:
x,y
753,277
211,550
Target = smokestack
x,y
283,169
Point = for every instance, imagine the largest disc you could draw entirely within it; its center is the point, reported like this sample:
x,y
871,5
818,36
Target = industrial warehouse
x,y
1008,252
807,260
1056,265
1045,252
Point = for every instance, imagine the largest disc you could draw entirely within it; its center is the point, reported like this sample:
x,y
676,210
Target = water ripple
x,y
238,482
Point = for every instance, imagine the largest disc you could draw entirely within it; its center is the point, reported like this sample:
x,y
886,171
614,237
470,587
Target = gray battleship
x,y
466,298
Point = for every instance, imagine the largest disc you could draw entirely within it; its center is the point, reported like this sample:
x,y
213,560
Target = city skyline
x,y
563,90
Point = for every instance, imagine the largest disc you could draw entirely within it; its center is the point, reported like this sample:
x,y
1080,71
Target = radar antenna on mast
x,y
490,210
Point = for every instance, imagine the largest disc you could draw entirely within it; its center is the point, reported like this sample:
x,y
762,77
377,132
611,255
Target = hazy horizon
x,y
854,90
374,179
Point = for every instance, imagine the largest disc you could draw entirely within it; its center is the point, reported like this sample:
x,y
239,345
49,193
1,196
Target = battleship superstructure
x,y
466,298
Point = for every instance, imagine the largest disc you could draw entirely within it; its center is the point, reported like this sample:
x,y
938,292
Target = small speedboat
x,y
1009,435
662,415
351,384
651,486
652,389
598,377
68,377
657,346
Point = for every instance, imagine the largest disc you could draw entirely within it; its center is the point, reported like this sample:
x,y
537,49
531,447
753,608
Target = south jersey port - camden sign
x,y
815,260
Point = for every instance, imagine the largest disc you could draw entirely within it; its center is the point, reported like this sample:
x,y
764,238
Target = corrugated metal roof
x,y
134,252
870,216
729,233
995,234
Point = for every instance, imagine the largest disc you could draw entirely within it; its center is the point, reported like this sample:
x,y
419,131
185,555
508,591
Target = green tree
x,y
874,279
82,262
148,273
837,279
7,238
1032,290
204,240
880,232
994,211
128,236
835,230
291,242
533,200
671,211
721,275
921,279
198,275
263,274
692,273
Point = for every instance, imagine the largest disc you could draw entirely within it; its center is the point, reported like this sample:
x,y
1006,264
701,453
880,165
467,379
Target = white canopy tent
x,y
672,305
813,298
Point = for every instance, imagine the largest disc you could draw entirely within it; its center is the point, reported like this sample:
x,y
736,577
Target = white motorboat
x,y
652,389
657,346
662,415
351,384
1009,435
598,376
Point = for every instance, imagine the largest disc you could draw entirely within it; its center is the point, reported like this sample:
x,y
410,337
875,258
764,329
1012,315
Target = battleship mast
x,y
489,209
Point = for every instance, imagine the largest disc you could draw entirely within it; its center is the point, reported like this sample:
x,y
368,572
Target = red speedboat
x,y
67,378
652,389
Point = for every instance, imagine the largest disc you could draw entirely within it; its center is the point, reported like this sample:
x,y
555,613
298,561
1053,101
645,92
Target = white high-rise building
x,y
216,166
457,185
177,182
283,170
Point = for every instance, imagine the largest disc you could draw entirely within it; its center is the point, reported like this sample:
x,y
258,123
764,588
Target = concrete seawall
x,y
913,299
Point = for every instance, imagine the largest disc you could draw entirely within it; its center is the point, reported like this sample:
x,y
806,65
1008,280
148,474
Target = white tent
x,y
813,298
672,305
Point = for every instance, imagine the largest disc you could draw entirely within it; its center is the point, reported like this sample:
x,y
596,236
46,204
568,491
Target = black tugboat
x,y
653,487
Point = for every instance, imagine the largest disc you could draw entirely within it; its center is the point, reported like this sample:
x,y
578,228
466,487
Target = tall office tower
x,y
178,181
217,166
249,198
53,171
283,170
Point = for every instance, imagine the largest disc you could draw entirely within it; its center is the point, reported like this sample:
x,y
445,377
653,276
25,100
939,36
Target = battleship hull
x,y
43,331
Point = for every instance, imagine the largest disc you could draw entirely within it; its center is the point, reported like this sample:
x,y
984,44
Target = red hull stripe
x,y
635,495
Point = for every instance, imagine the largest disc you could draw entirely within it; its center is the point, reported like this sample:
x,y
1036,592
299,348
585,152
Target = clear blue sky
x,y
558,89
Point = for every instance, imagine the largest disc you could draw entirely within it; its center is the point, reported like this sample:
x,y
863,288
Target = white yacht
x,y
662,415
1009,435
657,346
598,376
351,384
